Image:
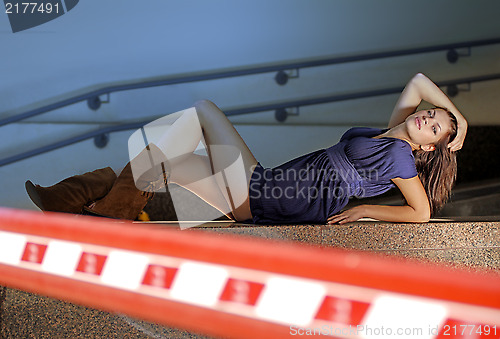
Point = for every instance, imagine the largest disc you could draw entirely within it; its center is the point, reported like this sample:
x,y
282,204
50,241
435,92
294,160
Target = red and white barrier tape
x,y
203,281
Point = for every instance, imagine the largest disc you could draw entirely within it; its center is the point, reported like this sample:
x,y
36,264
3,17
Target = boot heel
x,y
33,194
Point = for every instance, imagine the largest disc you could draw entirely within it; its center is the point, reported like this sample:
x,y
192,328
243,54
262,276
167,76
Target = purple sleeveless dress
x,y
315,186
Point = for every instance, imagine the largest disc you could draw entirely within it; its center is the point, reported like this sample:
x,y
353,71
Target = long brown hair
x,y
437,169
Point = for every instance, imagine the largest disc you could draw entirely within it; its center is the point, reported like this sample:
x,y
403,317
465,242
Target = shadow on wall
x,y
479,159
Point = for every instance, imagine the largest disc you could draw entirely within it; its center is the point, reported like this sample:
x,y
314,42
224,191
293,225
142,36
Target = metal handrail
x,y
245,71
254,109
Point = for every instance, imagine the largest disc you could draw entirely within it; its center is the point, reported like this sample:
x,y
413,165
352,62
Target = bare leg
x,y
230,159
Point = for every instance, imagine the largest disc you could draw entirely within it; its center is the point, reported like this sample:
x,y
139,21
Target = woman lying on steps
x,y
416,154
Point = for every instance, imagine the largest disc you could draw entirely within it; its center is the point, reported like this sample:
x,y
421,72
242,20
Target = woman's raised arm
x,y
421,88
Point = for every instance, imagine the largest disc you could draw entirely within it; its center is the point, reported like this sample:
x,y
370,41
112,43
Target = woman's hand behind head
x,y
458,142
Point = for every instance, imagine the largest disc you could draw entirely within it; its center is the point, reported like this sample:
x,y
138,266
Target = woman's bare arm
x,y
416,210
421,88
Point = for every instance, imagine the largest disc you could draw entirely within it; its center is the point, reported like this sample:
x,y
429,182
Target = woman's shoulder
x,y
391,157
368,132
397,156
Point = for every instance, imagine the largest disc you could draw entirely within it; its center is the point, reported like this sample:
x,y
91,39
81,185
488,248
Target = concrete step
x,y
473,245
27,315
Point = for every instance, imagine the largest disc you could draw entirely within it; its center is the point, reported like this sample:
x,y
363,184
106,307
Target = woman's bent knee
x,y
204,103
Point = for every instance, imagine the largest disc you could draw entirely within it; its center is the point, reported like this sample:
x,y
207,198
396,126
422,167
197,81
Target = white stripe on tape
x,y
11,248
199,284
399,316
61,257
290,301
124,269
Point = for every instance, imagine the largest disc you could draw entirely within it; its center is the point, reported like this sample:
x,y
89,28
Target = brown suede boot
x,y
127,197
71,194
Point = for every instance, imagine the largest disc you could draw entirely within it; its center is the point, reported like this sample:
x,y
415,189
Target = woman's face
x,y
427,127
